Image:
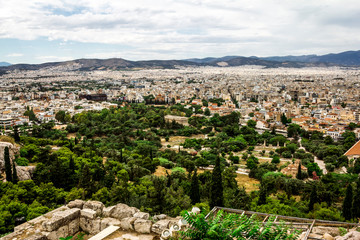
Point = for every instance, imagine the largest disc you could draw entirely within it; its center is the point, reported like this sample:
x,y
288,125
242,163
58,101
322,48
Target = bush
x,y
21,161
275,159
234,159
287,154
234,226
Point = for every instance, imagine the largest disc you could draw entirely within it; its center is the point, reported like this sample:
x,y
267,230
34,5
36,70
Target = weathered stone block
x,y
76,204
91,226
23,226
50,214
37,236
88,213
327,236
108,211
159,217
60,219
74,226
142,226
123,211
106,222
60,232
127,223
95,205
142,215
160,226
333,231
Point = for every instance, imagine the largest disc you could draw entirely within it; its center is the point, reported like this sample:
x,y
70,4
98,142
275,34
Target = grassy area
x,y
250,184
4,138
243,180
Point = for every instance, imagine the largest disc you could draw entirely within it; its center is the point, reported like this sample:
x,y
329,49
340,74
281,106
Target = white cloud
x,y
15,55
178,28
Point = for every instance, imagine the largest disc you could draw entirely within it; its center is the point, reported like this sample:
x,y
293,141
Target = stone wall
x,y
91,217
13,150
23,172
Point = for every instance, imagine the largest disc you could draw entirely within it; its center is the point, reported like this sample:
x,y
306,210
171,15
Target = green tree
x,y
251,123
207,112
60,116
284,119
275,159
30,113
347,204
313,197
262,194
299,174
16,134
15,178
216,194
8,171
293,130
195,189
356,202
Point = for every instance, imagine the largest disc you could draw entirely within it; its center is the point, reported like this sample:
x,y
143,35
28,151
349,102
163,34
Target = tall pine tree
x,y
262,194
313,198
15,178
195,190
299,175
7,165
217,193
348,203
356,202
16,134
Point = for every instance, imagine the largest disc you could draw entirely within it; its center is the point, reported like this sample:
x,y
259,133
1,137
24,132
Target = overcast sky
x,y
35,31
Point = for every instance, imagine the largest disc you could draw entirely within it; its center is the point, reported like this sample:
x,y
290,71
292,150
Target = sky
x,y
36,31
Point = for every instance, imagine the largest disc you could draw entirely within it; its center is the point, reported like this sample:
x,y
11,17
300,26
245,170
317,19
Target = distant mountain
x,y
232,61
104,64
210,59
4,64
350,58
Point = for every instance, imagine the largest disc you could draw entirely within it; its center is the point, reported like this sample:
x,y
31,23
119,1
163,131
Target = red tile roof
x,y
354,150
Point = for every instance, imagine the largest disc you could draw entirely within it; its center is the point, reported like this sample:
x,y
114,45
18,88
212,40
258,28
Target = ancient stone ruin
x,y
93,217
121,222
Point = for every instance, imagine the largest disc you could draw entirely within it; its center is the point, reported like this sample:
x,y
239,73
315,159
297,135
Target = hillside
x,y
4,64
350,58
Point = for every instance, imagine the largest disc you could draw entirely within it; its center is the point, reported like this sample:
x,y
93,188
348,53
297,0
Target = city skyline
x,y
37,31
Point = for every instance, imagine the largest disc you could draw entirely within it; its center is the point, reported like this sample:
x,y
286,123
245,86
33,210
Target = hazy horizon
x,y
38,31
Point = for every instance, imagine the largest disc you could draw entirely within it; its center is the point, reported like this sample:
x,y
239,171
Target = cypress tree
x,y
216,194
195,191
313,198
348,203
7,165
16,134
262,195
356,202
85,178
72,165
298,175
15,178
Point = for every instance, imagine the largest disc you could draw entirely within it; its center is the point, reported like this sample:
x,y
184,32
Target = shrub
x,y
21,161
234,226
275,159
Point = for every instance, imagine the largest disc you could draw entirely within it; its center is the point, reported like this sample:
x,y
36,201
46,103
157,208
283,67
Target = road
x,y
320,163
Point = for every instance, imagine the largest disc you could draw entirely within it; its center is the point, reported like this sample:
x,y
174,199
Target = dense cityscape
x,y
271,140
179,120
